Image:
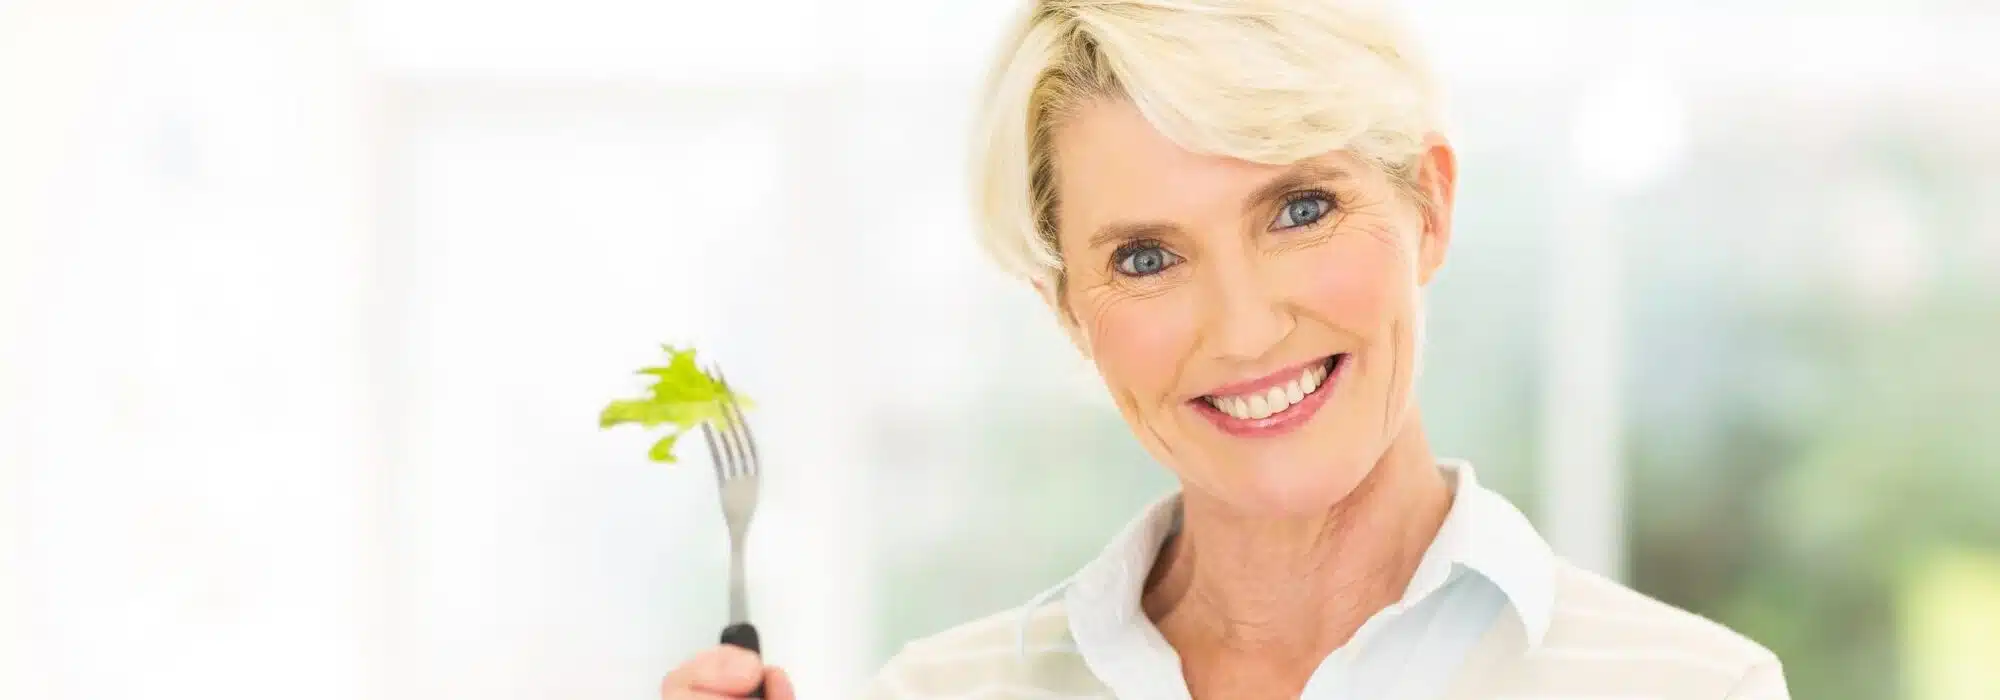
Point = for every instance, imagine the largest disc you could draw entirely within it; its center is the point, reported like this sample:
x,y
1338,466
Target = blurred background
x,y
307,308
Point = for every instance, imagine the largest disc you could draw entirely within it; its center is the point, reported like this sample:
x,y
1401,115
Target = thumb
x,y
777,685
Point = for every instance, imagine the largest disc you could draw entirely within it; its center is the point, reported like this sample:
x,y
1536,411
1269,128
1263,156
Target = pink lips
x,y
1278,423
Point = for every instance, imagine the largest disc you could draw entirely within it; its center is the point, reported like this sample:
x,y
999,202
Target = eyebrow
x,y
1297,177
1112,233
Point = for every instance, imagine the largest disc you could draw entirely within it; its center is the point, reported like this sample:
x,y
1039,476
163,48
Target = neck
x,y
1292,590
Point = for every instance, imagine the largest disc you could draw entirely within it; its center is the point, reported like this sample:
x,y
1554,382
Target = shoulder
x,y
1024,650
1601,629
1592,611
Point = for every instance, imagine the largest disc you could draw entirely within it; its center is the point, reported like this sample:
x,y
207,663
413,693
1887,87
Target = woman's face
x,y
1257,325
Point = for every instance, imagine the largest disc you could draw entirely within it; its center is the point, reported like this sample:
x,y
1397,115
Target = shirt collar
x,y
1482,532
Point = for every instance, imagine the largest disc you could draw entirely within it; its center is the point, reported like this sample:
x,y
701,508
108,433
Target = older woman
x,y
1233,207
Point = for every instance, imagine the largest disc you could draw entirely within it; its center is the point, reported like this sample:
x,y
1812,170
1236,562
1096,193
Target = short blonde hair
x,y
1268,81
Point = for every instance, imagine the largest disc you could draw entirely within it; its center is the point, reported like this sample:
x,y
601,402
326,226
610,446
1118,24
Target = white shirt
x,y
1489,614
1486,555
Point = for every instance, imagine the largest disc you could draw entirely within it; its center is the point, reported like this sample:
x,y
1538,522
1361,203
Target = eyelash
x,y
1127,252
1332,205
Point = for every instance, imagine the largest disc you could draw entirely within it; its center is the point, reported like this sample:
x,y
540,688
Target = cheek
x,y
1139,344
1355,288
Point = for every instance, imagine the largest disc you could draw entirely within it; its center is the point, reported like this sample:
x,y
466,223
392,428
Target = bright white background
x,y
307,306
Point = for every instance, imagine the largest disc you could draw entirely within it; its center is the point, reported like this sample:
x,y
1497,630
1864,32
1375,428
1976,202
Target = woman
x,y
1233,206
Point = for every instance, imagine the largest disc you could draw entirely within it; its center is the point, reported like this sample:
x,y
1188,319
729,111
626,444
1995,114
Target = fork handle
x,y
744,634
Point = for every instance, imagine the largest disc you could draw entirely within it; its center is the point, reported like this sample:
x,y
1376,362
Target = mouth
x,y
1273,405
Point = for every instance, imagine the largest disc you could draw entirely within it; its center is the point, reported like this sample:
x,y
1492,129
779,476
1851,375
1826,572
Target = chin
x,y
1279,487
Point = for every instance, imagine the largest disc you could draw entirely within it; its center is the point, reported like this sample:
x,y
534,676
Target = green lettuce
x,y
681,398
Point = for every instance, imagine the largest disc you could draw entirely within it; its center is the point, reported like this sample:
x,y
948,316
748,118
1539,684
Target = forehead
x,y
1110,160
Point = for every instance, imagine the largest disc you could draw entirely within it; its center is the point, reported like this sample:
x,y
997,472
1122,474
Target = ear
x,y
1053,293
1437,183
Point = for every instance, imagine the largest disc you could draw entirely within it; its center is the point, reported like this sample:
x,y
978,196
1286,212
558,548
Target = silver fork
x,y
734,453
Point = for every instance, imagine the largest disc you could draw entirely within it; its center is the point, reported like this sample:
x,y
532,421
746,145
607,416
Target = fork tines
x,y
736,450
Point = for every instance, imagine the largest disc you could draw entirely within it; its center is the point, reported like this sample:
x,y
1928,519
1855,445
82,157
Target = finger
x,y
684,675
719,669
699,695
687,694
778,685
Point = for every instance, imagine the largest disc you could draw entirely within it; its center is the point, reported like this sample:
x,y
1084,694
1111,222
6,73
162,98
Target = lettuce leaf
x,y
681,398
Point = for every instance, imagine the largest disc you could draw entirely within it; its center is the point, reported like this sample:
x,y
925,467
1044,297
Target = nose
x,y
1245,314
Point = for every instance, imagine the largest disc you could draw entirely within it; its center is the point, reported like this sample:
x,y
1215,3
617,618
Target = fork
x,y
734,454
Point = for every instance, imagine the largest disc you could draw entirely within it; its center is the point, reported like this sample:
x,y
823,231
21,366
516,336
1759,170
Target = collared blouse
x,y
1491,612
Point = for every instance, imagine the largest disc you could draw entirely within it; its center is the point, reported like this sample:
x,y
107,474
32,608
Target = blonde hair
x,y
1268,81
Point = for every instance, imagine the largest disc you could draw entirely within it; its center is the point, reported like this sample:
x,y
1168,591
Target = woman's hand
x,y
725,672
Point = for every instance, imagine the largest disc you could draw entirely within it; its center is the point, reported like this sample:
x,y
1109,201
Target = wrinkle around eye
x,y
1098,302
1383,231
1103,301
1117,290
1335,225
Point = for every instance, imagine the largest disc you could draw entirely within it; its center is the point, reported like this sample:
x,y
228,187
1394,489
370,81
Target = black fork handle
x,y
744,635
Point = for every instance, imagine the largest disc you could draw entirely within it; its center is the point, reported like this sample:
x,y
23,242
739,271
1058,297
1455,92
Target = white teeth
x,y
1273,400
1231,405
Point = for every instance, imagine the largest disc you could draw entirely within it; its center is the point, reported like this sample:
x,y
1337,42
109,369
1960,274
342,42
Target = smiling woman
x,y
1201,283
1233,208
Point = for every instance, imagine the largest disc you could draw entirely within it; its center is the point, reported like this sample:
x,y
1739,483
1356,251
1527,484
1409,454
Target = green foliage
x,y
1793,525
681,398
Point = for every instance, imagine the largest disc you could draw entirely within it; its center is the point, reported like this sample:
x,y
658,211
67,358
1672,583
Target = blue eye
x,y
1145,260
1303,211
